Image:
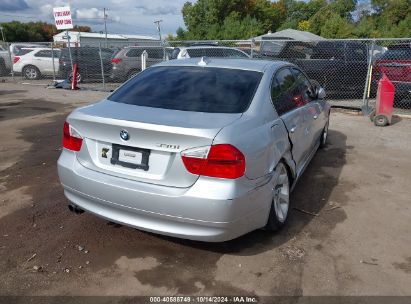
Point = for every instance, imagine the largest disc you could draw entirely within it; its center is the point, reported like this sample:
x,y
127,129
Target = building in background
x,y
94,39
289,34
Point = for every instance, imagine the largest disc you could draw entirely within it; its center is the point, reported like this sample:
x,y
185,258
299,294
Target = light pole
x,y
105,25
158,27
3,38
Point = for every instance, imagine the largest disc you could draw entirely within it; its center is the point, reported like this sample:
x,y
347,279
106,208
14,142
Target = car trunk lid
x,y
156,136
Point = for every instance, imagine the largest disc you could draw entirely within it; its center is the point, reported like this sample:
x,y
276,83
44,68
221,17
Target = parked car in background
x,y
5,62
15,48
207,51
396,64
127,62
36,63
339,66
88,63
204,149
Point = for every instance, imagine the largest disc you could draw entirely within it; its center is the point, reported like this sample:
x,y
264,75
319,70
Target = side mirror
x,y
321,93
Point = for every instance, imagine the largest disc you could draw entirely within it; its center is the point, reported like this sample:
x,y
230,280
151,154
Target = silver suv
x,y
127,62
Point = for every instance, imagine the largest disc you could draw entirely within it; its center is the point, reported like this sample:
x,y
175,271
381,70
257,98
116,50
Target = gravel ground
x,y
356,241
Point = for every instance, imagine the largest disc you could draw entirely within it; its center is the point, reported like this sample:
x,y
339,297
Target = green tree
x,y
233,19
337,27
239,19
298,11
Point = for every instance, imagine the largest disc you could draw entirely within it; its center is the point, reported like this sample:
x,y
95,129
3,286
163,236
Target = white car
x,y
37,62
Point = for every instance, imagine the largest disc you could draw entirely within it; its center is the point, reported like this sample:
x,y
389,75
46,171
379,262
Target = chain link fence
x,y
349,70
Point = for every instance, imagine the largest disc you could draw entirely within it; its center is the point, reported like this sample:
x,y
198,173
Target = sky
x,y
124,16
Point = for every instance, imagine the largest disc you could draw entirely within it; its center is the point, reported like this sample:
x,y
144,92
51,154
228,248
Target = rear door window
x,y
283,91
303,85
44,53
197,89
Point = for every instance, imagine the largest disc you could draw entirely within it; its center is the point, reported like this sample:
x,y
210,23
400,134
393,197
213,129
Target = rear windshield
x,y
24,52
215,52
196,89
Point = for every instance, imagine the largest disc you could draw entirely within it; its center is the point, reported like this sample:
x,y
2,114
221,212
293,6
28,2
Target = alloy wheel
x,y
31,73
281,193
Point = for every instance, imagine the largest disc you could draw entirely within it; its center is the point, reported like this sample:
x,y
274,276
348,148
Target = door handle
x,y
315,116
292,130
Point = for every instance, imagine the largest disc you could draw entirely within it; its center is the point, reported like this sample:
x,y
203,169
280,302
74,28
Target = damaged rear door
x,y
289,103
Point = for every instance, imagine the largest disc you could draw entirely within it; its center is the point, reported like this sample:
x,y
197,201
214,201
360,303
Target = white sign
x,y
62,18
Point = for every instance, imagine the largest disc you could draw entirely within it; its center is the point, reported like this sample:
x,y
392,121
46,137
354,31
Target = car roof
x,y
229,63
142,47
40,49
207,47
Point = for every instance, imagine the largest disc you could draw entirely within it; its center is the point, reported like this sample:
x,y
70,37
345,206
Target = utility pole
x,y
105,26
2,34
158,27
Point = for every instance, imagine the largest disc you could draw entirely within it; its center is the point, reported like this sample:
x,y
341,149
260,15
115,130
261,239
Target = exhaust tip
x,y
75,209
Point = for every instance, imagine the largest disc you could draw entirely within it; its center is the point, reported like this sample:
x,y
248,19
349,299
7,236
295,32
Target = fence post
x,y
252,48
69,49
144,56
101,66
163,45
52,58
365,97
11,60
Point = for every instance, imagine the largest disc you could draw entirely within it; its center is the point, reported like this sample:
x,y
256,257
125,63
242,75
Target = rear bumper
x,y
196,213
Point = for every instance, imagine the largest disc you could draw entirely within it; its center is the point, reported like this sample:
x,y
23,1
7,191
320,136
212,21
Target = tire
x,y
380,120
79,77
324,135
31,72
280,204
132,73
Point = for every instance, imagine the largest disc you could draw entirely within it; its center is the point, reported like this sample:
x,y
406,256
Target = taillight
x,y
116,60
71,138
223,161
15,59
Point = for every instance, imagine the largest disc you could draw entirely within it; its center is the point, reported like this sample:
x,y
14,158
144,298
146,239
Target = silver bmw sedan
x,y
203,149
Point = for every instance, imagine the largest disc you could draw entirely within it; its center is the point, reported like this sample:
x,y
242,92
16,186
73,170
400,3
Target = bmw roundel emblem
x,y
124,135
